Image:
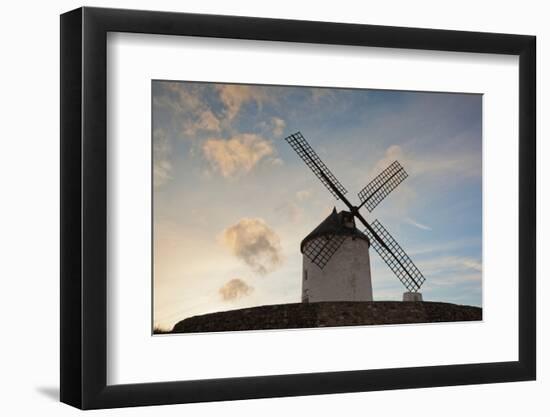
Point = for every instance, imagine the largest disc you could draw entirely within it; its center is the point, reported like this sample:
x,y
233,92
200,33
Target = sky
x,y
232,201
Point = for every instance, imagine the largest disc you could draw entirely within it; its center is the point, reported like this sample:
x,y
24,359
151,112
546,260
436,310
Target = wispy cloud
x,y
162,165
459,282
233,96
417,224
447,246
426,168
433,163
188,108
255,243
450,264
204,120
291,211
235,289
317,94
303,195
238,155
273,127
470,263
278,126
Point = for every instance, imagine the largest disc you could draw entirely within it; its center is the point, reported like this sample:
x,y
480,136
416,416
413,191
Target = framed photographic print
x,y
259,207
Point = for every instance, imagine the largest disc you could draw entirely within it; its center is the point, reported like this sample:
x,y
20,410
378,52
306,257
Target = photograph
x,y
291,206
287,207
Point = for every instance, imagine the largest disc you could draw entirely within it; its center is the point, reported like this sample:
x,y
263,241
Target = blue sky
x,y
232,201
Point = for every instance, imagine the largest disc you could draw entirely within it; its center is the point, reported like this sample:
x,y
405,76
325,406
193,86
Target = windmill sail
x,y
395,257
312,160
320,250
372,194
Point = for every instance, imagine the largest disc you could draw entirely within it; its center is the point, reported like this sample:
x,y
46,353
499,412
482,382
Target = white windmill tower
x,y
336,263
347,276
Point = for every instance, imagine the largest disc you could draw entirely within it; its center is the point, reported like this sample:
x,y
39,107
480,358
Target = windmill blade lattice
x,y
372,194
312,160
320,250
397,260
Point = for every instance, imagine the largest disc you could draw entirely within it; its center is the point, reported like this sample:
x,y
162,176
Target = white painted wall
x,y
29,176
346,277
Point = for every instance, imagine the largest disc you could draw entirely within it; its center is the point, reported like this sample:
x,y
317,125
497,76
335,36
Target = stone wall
x,y
328,314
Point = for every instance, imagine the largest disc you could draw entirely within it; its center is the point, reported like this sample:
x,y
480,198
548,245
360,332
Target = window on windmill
x,y
305,274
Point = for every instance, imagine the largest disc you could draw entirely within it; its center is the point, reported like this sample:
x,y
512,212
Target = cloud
x,y
458,163
417,224
204,120
233,96
254,242
319,93
185,102
278,126
190,108
431,166
234,289
237,155
438,247
470,263
393,153
451,272
162,166
450,265
277,161
273,126
291,211
303,195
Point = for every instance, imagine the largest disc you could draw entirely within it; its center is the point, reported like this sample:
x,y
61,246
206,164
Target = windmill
x,y
324,242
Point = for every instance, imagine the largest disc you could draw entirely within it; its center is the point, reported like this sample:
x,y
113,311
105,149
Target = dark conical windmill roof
x,y
335,224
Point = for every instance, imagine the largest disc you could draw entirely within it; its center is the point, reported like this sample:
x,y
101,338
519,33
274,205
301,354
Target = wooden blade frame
x,y
320,250
395,257
312,160
379,188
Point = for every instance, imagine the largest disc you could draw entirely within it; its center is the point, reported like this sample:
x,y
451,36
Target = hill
x,y
327,314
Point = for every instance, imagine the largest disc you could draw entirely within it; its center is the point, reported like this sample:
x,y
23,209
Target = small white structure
x,y
412,297
347,276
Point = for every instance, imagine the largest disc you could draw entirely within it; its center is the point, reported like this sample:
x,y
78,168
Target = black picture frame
x,y
84,207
